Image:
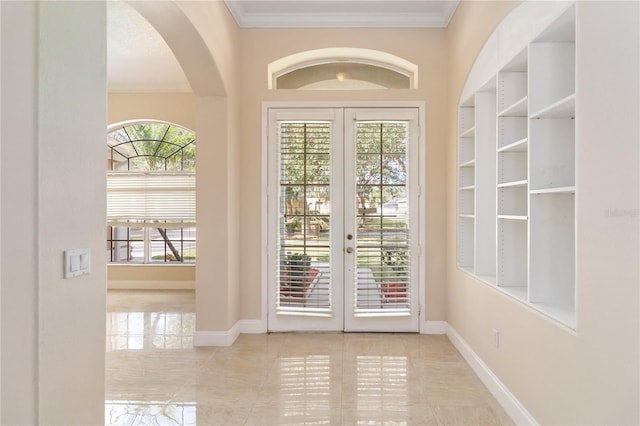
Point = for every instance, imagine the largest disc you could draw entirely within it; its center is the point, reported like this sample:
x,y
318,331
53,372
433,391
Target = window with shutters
x,y
151,193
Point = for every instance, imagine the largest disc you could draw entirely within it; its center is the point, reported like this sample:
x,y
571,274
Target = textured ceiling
x,y
138,59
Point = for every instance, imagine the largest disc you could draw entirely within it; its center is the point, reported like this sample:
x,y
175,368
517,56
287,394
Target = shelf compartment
x,y
466,150
551,73
552,153
566,314
519,292
512,254
564,108
512,168
512,93
466,243
510,130
466,177
489,279
466,202
552,249
466,120
512,201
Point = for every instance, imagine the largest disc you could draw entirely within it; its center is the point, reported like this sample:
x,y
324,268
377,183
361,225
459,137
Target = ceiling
x,y
140,60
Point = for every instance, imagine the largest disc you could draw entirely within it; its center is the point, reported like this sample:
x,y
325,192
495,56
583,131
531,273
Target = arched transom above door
x,y
342,69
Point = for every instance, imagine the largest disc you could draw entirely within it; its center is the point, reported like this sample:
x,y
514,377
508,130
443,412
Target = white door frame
x,y
420,105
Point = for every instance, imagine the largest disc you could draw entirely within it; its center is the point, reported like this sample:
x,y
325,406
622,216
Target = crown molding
x,y
246,18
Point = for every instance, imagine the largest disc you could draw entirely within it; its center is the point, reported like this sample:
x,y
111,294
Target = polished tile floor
x,y
155,376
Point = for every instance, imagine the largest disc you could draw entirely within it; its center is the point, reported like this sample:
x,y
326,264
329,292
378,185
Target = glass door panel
x,y
381,269
343,219
304,148
305,226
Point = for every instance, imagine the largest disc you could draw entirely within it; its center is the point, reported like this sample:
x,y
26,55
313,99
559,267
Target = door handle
x,y
349,250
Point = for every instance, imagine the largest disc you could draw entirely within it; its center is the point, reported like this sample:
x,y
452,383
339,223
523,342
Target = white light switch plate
x,y
77,262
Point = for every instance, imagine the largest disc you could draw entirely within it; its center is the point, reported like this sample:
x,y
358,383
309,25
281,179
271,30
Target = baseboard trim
x,y
252,327
433,327
509,402
226,338
216,338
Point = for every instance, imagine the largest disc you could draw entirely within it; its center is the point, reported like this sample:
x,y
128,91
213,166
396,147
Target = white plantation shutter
x,y
148,198
304,273
382,281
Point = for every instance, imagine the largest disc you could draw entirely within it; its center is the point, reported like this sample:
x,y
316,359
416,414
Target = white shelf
x,y
467,188
564,108
512,217
471,131
467,216
517,146
517,183
519,292
518,109
467,269
489,279
470,163
565,314
559,190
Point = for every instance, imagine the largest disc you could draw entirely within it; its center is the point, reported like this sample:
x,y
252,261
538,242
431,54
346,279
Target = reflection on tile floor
x,y
155,375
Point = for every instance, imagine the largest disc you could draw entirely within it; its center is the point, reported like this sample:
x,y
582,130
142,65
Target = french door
x,y
342,211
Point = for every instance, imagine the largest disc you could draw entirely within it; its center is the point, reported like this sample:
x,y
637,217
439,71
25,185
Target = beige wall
x,y
217,111
151,277
53,199
426,48
178,108
563,377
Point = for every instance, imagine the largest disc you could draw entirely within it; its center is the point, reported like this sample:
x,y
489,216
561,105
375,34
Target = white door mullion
x,y
349,236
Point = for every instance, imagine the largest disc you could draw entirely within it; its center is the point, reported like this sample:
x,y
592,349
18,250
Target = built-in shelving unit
x,y
466,185
516,175
552,169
